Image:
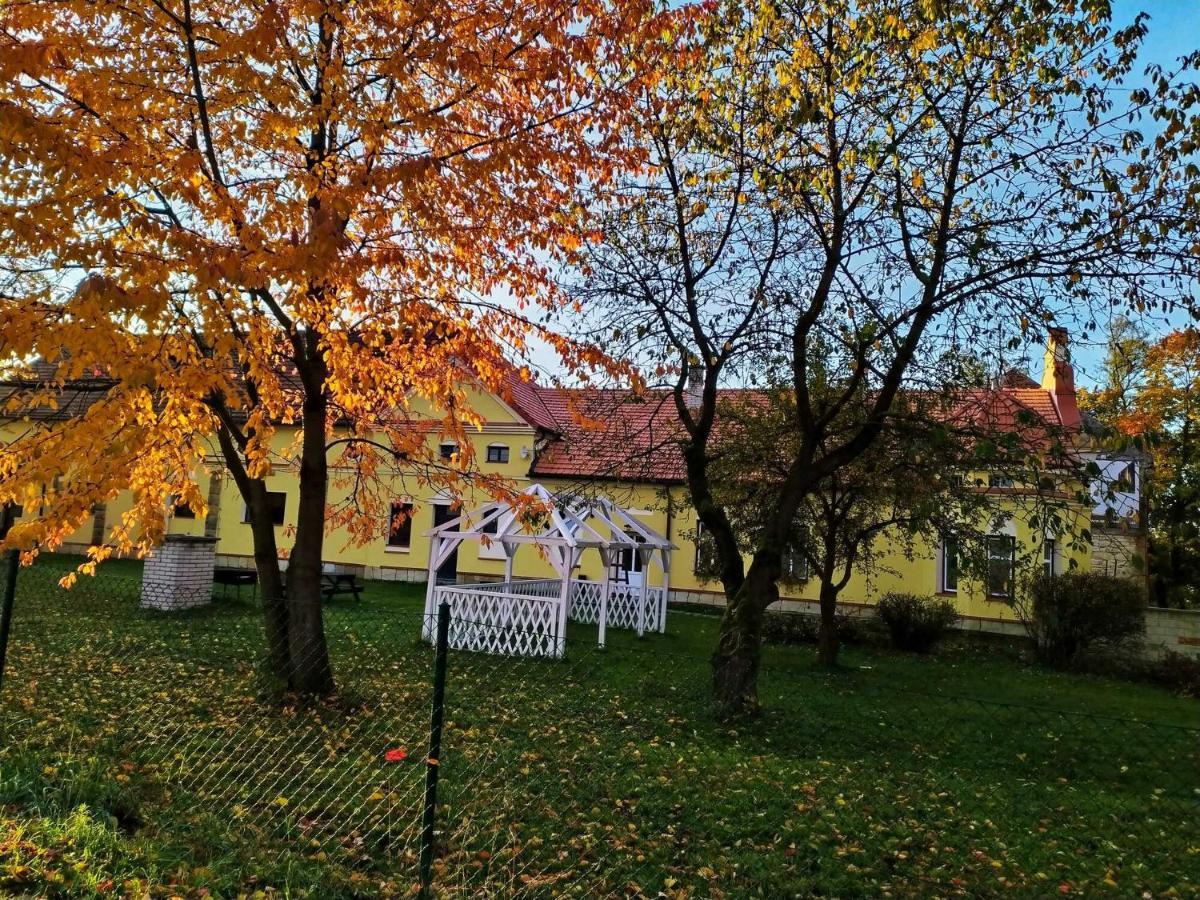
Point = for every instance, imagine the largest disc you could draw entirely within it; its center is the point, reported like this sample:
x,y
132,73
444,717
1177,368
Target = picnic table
x,y
339,583
333,584
232,575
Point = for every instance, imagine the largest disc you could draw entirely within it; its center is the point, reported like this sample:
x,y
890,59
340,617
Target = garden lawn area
x,y
144,754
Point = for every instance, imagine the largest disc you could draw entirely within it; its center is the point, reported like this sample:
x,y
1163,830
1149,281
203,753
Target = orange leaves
x,y
372,179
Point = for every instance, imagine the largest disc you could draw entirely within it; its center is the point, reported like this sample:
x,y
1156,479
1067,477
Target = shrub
x,y
802,628
915,622
1171,670
789,628
1177,672
1071,612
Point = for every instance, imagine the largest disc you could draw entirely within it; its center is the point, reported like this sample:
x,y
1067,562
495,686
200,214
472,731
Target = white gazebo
x,y
528,617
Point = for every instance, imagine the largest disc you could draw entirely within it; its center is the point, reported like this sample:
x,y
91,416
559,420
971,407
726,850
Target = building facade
x,y
575,442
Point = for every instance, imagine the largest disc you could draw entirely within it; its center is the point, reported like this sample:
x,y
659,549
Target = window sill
x,y
947,594
397,549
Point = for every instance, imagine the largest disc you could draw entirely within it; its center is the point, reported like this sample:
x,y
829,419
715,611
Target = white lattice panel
x,y
585,602
502,623
623,606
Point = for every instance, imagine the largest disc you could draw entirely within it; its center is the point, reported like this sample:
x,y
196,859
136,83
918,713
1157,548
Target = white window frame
x,y
1049,557
794,563
944,558
495,550
1011,542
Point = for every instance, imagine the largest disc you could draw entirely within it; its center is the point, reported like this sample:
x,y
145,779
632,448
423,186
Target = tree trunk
x,y
266,556
828,642
309,655
270,581
736,661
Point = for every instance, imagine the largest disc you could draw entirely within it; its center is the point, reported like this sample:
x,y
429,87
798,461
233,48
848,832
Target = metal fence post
x,y
433,761
10,590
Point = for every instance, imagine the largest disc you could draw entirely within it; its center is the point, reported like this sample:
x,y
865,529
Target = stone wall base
x,y
1173,631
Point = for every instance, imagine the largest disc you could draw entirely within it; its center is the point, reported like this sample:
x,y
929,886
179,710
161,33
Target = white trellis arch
x,y
528,617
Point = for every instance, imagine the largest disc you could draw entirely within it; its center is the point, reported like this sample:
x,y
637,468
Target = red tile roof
x,y
612,435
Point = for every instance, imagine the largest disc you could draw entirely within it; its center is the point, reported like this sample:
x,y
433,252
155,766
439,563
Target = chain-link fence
x,y
152,753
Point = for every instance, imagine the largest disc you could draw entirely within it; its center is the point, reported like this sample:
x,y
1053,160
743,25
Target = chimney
x,y
695,386
1058,378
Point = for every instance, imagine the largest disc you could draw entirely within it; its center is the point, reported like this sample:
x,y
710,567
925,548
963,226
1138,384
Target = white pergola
x,y
528,617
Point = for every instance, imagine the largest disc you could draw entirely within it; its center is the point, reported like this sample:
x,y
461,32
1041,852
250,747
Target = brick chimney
x,y
695,386
1058,377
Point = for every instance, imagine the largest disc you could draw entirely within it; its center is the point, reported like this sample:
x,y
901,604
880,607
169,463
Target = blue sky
x,y
1174,31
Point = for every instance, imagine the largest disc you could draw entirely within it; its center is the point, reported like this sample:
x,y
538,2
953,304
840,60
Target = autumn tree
x,y
897,173
1151,404
904,488
220,220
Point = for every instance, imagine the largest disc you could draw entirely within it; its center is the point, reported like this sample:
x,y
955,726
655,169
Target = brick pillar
x,y
179,573
215,482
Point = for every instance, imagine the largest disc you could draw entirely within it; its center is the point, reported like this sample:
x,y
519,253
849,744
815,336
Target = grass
x,y
142,756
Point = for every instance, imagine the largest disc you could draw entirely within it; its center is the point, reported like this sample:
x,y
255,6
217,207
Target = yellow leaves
x,y
918,180
926,40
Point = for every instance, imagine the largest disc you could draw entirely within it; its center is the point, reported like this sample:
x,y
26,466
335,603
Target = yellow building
x,y
582,442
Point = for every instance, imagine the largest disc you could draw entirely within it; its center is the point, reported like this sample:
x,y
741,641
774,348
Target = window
x,y
795,563
447,451
1001,565
950,553
629,561
493,549
276,504
999,481
707,565
1049,548
400,526
183,511
497,453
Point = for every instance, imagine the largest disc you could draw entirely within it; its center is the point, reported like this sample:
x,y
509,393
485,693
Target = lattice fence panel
x,y
623,607
585,602
504,624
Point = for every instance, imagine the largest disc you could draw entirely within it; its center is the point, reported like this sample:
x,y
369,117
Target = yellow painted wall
x,y
667,512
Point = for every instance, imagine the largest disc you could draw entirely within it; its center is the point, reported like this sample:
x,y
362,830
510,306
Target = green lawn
x,y
140,754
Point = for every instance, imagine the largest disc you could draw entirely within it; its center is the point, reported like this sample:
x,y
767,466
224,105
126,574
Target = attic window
x,y
497,453
447,451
